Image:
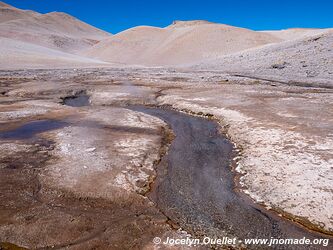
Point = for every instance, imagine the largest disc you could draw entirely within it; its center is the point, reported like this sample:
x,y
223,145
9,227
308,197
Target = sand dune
x,y
180,43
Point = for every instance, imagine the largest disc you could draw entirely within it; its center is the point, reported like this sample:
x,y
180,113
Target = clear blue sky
x,y
117,15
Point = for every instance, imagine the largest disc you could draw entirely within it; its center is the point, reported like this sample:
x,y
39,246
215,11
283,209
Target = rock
x,y
90,149
279,65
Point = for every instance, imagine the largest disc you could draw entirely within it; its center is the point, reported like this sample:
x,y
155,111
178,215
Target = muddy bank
x,y
195,187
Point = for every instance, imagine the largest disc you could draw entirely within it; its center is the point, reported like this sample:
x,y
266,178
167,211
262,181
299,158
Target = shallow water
x,y
80,100
31,129
195,186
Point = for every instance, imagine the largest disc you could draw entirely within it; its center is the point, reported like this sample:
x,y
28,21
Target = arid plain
x,y
196,129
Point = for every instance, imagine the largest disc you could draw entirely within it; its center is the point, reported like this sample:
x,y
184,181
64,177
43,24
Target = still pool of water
x,y
31,129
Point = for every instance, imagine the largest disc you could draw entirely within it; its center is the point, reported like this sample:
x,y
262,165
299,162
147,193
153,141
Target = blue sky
x,y
117,15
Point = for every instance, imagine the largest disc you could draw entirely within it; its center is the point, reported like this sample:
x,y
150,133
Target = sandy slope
x,y
8,13
179,43
18,55
295,33
53,30
55,22
308,59
29,39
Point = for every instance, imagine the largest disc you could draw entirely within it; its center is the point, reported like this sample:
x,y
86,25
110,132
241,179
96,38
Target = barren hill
x,y
8,13
180,43
53,30
307,59
302,53
32,39
19,55
295,33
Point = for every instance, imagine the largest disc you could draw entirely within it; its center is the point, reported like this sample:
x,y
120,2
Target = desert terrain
x,y
193,130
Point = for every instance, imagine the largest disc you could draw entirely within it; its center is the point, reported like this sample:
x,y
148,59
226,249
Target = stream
x,y
195,186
